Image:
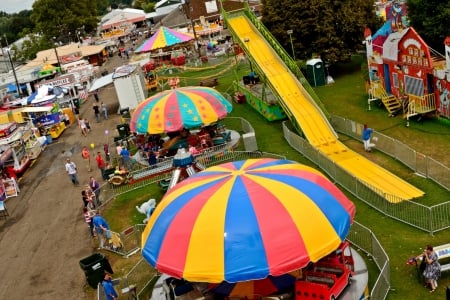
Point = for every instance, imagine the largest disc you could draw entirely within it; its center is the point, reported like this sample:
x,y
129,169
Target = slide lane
x,y
313,123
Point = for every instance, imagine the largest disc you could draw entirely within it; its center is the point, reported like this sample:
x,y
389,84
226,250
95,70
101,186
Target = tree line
x,y
331,29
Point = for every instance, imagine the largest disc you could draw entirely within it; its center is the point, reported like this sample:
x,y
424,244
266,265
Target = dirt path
x,y
43,240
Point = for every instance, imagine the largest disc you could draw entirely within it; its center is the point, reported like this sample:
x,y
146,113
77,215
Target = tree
x,y
56,18
430,19
331,29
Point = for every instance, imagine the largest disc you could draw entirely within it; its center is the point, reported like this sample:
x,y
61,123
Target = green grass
x,y
345,98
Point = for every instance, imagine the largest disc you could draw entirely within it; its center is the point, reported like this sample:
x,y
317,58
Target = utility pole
x,y
19,91
190,9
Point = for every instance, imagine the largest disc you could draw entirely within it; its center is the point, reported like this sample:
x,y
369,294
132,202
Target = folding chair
x,y
3,211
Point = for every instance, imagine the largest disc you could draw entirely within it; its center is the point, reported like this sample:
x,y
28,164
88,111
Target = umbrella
x,y
246,220
164,37
262,287
175,109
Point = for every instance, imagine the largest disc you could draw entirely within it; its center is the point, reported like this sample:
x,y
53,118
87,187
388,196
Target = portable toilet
x,y
315,72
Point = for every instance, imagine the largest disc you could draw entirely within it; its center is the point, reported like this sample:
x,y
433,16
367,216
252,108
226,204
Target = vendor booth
x,y
11,140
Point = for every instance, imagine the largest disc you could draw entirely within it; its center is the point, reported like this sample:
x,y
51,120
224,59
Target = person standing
x,y
95,187
71,169
96,109
101,165
104,110
367,133
433,269
108,288
96,96
41,129
88,219
102,229
125,154
87,157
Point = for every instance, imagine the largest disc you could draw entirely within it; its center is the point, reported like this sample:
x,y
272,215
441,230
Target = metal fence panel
x,y
406,155
364,239
438,172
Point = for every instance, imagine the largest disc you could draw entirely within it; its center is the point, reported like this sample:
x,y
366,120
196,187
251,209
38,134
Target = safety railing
x,y
364,239
427,218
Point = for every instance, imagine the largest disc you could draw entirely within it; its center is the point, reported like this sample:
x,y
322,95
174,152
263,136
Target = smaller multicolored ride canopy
x,y
163,37
173,110
246,220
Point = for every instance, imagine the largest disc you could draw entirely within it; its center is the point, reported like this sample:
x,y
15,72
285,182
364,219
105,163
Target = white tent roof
x,y
101,82
123,17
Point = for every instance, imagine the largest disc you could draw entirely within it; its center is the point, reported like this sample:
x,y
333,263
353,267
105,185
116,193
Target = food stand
x,y
47,113
32,146
11,140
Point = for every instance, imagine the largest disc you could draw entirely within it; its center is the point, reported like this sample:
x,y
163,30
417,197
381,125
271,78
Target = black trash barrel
x,y
448,293
94,268
124,130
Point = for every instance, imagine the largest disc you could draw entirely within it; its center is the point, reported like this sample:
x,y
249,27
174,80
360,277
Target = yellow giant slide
x,y
314,124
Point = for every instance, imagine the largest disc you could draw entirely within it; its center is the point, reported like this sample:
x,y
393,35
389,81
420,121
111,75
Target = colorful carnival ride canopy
x,y
173,110
246,220
164,37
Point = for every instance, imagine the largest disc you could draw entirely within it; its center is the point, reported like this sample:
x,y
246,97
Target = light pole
x,y
56,52
188,3
290,32
19,91
247,42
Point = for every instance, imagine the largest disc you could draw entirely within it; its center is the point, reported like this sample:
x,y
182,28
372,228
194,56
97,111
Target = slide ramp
x,y
311,119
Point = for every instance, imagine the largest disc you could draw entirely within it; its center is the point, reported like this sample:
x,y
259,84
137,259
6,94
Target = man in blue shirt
x,y
108,288
367,133
102,228
125,157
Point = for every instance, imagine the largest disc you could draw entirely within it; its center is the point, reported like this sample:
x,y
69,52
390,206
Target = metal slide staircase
x,y
392,103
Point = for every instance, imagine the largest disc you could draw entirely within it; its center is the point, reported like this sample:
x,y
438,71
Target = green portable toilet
x,y
315,72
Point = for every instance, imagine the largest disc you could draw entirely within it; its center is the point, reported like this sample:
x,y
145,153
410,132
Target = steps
x,y
391,102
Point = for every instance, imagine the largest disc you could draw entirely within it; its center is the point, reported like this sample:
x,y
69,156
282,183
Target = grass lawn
x,y
346,98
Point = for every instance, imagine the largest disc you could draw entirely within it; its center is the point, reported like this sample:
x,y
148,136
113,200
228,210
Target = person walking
x,y
71,169
82,125
101,165
108,288
87,157
102,229
104,110
96,109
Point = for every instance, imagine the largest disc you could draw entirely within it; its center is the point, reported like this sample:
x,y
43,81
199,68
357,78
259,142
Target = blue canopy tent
x,y
12,88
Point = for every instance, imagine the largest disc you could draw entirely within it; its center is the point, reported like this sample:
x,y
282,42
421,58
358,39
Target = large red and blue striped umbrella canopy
x,y
164,37
246,220
173,110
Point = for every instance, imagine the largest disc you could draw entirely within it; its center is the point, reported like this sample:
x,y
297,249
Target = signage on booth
x,y
60,81
48,120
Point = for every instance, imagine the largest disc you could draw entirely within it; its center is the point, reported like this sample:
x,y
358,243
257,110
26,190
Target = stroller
x,y
115,242
420,267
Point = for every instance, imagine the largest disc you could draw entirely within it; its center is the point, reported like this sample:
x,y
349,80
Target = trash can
x,y
124,130
125,113
448,293
94,268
